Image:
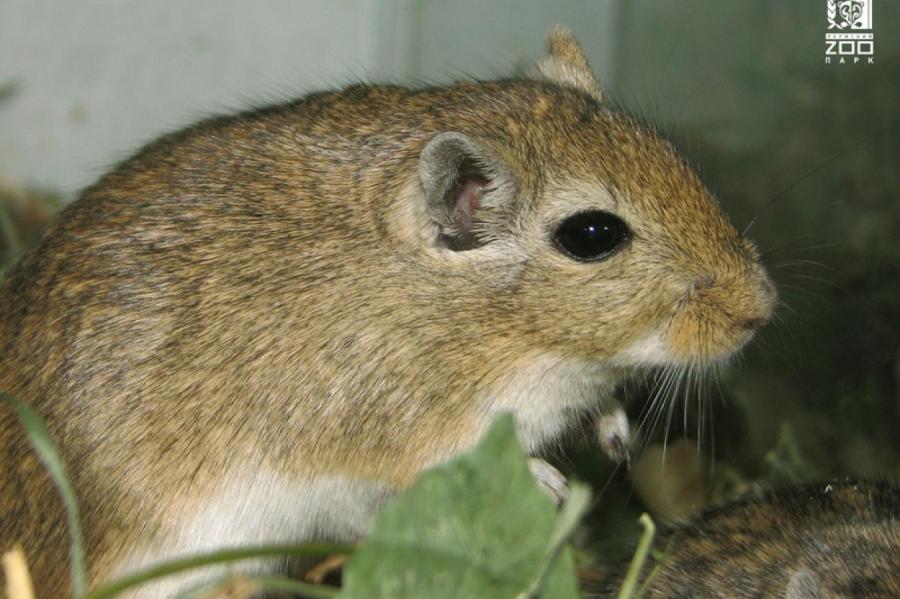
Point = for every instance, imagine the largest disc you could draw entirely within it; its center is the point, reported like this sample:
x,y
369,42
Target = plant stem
x,y
640,556
208,559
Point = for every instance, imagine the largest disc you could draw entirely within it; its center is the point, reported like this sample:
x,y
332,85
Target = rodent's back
x,y
817,540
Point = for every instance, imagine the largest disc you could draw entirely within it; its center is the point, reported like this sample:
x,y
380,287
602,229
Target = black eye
x,y
590,236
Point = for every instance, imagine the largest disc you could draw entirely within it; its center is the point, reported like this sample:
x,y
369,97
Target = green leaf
x,y
575,508
477,526
49,455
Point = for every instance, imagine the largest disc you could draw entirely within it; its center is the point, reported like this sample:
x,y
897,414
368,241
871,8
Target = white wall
x,y
94,79
485,38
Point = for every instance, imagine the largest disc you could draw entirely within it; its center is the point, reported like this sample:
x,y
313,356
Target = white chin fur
x,y
647,351
651,351
547,395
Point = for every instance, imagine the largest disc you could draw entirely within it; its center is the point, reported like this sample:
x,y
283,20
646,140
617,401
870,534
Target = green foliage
x,y
785,461
24,213
11,245
477,526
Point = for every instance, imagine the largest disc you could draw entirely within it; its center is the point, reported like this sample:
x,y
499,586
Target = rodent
x,y
811,541
260,327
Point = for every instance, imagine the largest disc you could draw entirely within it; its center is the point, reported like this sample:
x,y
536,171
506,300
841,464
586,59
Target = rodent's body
x,y
821,541
258,328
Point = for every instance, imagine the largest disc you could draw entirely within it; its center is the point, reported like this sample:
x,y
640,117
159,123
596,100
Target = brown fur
x,y
842,538
269,290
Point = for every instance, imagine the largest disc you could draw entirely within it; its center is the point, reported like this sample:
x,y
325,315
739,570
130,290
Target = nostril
x,y
750,324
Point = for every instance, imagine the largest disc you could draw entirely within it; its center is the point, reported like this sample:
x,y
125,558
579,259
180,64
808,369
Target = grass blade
x,y
640,556
49,455
209,559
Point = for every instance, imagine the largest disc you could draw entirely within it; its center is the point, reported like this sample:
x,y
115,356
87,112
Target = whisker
x,y
688,19
650,406
785,333
788,189
673,397
799,293
687,398
647,408
796,245
817,280
781,303
802,263
657,403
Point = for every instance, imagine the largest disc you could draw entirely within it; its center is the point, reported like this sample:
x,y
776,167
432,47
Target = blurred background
x,y
807,152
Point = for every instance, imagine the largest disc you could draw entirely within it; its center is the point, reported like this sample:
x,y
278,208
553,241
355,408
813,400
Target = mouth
x,y
676,347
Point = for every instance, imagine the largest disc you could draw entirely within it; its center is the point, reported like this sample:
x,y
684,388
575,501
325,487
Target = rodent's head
x,y
602,243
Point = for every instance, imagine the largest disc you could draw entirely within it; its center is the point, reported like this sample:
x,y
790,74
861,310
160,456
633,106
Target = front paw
x,y
614,434
551,480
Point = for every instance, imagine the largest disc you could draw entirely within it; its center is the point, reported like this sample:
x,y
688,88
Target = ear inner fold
x,y
456,174
468,200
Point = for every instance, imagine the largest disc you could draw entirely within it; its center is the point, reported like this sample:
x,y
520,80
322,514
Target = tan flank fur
x,y
258,328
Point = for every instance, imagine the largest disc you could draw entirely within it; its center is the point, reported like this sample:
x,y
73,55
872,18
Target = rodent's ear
x,y
461,178
567,64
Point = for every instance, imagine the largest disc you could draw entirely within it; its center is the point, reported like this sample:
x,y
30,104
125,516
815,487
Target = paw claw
x,y
551,480
614,434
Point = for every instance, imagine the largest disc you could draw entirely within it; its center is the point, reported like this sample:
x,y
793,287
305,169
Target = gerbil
x,y
817,541
258,328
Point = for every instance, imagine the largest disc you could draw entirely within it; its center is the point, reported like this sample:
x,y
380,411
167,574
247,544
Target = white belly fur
x,y
255,509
